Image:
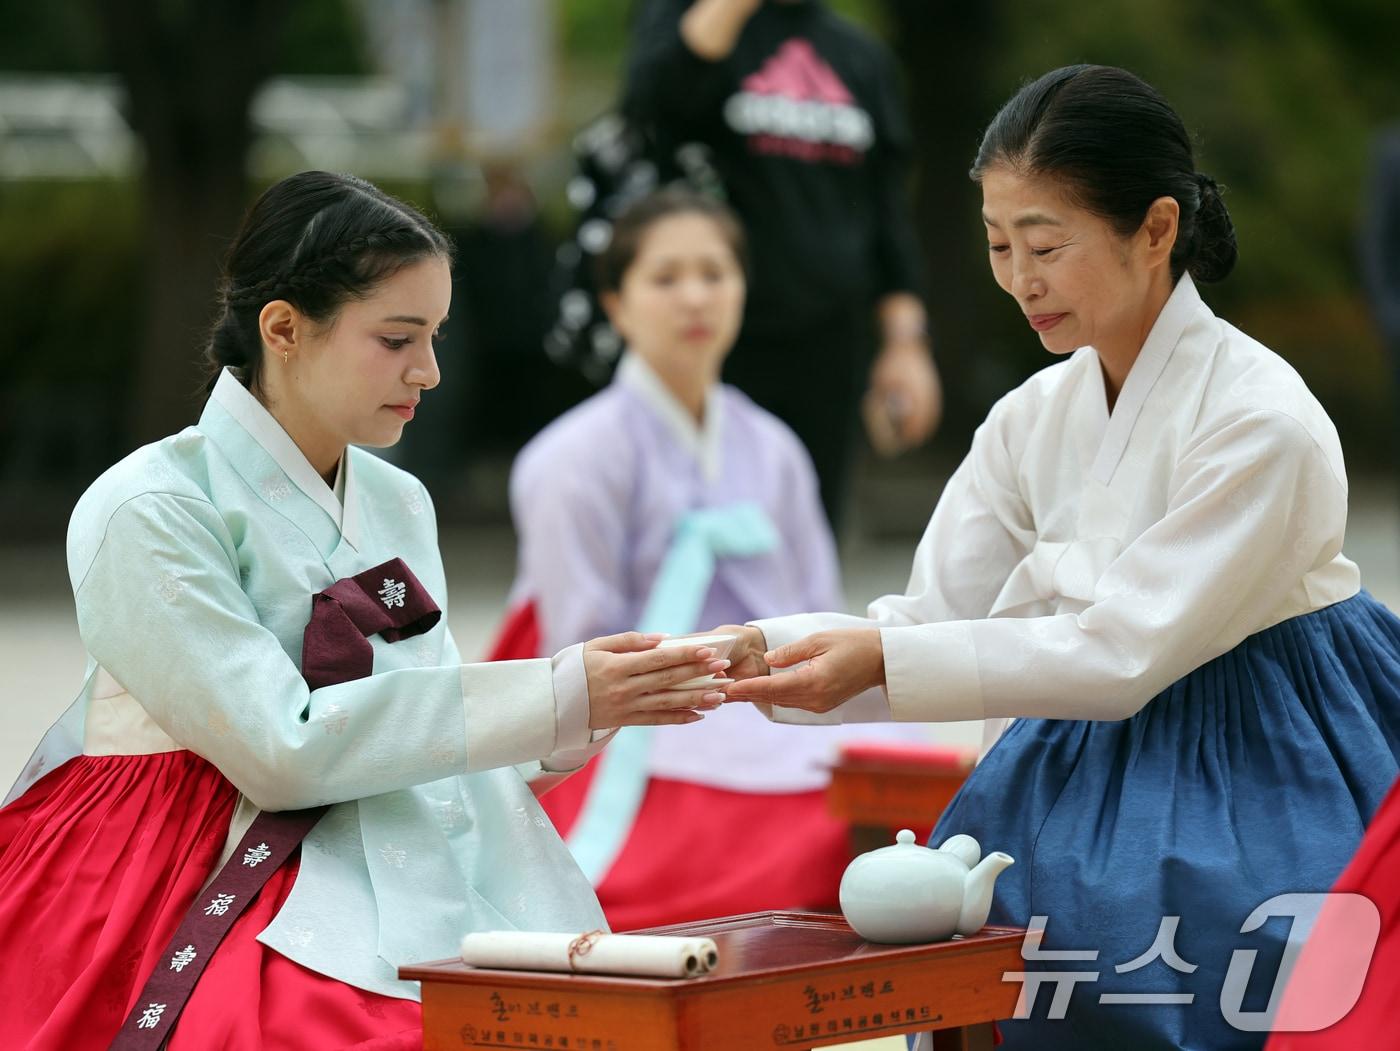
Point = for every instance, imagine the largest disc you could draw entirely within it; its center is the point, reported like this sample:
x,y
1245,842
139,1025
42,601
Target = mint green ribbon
x,y
677,596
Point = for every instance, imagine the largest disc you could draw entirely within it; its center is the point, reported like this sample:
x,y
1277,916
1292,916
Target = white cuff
x,y
564,761
868,707
931,672
871,706
779,631
575,743
570,699
509,710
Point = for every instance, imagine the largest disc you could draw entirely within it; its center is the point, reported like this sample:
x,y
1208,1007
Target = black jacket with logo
x,y
808,133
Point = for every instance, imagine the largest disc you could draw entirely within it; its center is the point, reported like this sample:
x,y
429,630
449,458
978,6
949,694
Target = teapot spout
x,y
977,891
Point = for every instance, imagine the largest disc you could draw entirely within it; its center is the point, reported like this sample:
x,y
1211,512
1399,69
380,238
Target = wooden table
x,y
786,980
877,797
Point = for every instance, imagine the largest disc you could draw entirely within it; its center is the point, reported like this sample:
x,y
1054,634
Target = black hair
x,y
641,215
317,240
1115,145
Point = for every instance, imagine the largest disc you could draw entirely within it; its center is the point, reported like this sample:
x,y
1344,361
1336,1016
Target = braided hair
x,y
316,240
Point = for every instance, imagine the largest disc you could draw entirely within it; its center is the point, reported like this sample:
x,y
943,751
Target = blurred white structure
x,y
459,80
509,84
73,128
63,128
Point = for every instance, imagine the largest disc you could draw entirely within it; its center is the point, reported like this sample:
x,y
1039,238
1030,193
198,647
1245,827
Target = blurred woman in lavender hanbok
x,y
662,503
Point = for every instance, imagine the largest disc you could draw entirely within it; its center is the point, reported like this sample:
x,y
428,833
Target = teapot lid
x,y
906,845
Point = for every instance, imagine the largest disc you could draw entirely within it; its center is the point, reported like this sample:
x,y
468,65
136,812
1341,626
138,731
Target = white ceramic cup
x,y
721,644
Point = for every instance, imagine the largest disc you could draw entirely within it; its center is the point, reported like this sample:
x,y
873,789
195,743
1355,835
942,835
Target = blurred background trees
x,y
189,71
106,278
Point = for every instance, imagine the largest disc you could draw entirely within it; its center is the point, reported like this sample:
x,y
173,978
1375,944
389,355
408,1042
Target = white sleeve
x,y
1252,507
978,533
161,608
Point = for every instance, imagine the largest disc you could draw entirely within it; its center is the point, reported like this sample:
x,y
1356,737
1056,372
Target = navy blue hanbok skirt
x,y
1253,776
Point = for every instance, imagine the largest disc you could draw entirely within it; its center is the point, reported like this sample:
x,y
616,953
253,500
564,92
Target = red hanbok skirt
x,y
99,862
696,851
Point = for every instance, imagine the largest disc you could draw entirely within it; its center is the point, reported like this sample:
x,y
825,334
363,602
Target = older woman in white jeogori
x,y
1140,563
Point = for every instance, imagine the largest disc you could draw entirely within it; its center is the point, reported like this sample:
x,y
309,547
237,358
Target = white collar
x,y
1156,351
262,426
702,441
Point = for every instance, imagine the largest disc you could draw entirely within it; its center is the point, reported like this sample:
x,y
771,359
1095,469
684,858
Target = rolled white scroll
x,y
592,953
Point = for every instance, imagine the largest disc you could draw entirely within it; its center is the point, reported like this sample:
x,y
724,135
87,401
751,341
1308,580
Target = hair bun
x,y
1212,251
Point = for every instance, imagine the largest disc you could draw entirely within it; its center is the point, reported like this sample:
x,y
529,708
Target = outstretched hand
x,y
631,681
839,665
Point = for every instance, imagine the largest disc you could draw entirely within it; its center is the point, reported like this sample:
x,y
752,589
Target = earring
x,y
285,357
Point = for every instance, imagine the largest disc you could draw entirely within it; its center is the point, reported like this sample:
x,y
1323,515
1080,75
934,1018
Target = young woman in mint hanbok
x,y
665,502
1140,564
280,782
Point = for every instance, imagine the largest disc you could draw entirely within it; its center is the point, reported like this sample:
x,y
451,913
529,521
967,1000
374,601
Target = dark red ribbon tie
x,y
387,601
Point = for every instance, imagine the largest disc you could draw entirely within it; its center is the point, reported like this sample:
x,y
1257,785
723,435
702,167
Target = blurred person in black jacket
x,y
802,115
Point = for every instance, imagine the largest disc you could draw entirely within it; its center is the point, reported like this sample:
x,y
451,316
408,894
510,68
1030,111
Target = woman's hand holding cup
x,y
633,680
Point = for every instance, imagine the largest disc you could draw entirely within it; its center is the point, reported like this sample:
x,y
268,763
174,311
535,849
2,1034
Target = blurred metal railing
x,y
71,127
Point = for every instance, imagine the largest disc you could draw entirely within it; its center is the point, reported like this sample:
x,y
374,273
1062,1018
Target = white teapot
x,y
909,893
